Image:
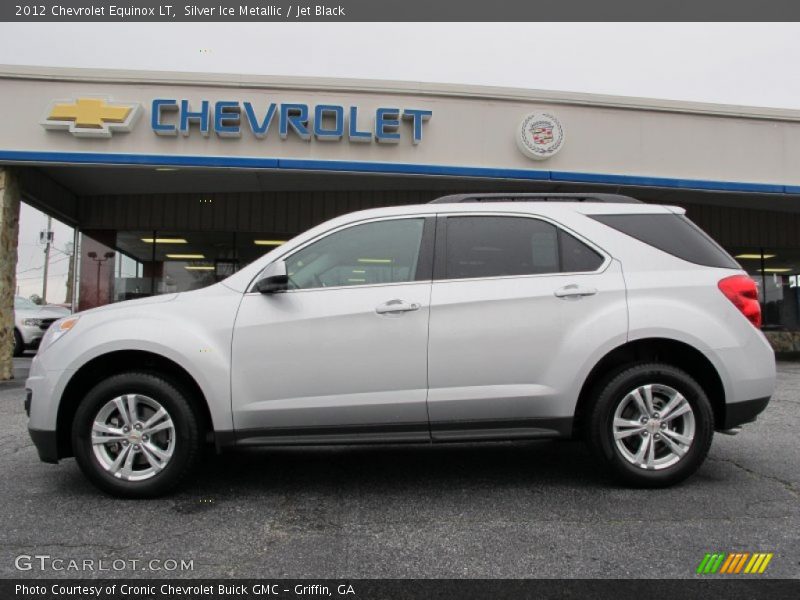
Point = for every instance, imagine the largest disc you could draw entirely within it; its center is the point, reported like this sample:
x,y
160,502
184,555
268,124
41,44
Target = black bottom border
x,y
701,587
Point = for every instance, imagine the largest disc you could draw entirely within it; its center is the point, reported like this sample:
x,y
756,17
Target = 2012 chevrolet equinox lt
x,y
475,317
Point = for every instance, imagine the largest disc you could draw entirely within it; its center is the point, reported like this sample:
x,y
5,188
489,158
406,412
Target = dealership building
x,y
175,180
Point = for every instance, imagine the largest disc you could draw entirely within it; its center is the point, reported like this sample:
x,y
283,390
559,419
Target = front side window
x,y
373,253
482,246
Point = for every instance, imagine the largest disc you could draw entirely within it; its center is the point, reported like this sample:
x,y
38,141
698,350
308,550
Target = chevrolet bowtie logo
x,y
91,117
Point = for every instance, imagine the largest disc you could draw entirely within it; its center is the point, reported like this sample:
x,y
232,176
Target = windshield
x,y
20,302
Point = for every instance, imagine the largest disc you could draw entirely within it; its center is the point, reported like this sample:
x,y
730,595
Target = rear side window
x,y
673,234
577,257
483,246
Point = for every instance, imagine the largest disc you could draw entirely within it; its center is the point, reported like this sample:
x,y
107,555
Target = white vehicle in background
x,y
31,321
473,318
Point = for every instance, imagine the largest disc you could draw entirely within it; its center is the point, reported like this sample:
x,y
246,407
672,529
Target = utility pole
x,y
47,237
69,249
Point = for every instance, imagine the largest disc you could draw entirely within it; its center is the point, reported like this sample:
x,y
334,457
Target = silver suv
x,y
472,318
31,321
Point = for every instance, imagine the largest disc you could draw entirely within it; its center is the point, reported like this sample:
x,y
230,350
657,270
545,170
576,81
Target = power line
x,y
52,262
49,277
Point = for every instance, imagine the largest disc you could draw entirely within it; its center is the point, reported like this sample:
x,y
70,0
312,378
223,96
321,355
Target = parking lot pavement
x,y
534,509
22,365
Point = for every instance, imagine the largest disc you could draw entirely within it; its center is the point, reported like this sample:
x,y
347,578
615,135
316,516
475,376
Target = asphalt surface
x,y
516,510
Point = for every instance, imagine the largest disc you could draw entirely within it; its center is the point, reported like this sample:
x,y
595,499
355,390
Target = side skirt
x,y
451,431
512,429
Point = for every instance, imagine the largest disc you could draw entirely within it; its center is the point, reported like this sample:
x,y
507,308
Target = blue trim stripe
x,y
696,184
104,158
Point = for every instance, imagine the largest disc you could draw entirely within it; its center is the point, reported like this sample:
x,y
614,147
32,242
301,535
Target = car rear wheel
x,y
19,345
136,435
652,424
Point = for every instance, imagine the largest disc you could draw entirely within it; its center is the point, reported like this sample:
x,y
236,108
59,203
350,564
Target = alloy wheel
x,y
653,426
133,437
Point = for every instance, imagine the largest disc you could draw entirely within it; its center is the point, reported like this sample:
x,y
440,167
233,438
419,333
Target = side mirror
x,y
273,279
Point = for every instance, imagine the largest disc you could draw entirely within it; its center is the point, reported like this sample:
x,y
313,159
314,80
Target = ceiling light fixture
x,y
164,240
375,261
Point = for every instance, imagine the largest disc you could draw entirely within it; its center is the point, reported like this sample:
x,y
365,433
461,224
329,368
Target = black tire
x,y
187,436
19,345
612,392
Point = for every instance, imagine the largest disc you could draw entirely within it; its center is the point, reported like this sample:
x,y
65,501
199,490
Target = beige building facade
x,y
175,180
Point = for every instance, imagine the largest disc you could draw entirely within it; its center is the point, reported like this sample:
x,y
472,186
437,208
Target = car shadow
x,y
397,468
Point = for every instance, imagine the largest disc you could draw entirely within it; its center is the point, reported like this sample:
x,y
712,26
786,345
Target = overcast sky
x,y
750,64
737,63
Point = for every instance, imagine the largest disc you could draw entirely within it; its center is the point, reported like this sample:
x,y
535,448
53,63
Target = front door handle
x,y
396,306
575,291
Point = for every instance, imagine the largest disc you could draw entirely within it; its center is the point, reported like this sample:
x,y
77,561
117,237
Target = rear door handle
x,y
396,306
574,291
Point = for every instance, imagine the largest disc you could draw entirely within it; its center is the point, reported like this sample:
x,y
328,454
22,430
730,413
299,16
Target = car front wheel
x,y
19,345
652,424
136,435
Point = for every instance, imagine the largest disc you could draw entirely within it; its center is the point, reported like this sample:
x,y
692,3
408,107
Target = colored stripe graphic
x,y
753,564
711,562
715,567
701,567
734,563
743,557
726,566
764,564
758,563
703,563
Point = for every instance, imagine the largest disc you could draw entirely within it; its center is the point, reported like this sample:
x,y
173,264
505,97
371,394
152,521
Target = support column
x,y
9,233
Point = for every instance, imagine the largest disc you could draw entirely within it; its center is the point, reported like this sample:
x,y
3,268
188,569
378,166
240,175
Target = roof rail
x,y
540,197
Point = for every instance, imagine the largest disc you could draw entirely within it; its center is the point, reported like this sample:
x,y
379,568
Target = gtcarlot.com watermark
x,y
46,562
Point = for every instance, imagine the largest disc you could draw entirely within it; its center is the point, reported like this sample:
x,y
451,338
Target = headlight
x,y
32,322
57,330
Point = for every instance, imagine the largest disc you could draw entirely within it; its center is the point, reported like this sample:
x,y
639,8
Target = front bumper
x,y
46,443
31,336
43,388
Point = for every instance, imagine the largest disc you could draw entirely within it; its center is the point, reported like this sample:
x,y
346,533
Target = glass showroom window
x,y
776,273
125,265
97,261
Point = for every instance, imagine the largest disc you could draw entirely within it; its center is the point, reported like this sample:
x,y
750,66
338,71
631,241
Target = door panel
x,y
505,353
326,359
510,349
342,355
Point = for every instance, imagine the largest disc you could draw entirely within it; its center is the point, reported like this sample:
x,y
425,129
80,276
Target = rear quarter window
x,y
673,234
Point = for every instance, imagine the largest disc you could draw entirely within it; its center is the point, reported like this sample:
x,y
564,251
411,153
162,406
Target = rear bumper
x,y
46,443
739,413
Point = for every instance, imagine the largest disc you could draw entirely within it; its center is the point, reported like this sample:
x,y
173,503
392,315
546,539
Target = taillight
x,y
742,291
